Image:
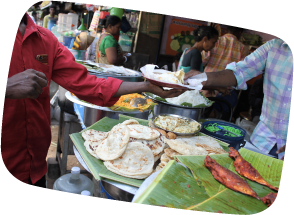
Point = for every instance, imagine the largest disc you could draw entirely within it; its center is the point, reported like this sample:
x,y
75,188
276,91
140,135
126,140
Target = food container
x,y
116,12
67,40
79,54
235,142
168,108
176,116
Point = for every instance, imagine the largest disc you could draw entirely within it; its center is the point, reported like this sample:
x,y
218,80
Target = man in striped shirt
x,y
227,49
276,60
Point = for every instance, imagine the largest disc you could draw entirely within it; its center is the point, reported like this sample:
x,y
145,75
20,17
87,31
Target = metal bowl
x,y
168,108
176,116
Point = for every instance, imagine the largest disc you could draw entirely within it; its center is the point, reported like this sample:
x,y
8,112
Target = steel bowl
x,y
168,108
176,116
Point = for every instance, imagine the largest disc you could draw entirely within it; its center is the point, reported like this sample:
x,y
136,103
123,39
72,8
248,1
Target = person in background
x,y
34,16
191,59
227,49
50,15
172,66
256,99
37,58
108,49
275,60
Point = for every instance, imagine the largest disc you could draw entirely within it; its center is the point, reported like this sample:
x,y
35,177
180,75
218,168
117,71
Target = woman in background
x,y
191,60
108,49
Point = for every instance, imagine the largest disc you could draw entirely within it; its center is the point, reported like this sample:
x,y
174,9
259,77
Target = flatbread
x,y
164,159
143,132
94,135
180,75
156,146
171,153
136,162
184,148
209,141
91,147
130,122
115,143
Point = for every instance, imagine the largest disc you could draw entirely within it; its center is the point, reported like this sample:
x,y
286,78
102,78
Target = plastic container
x,y
51,23
78,54
125,41
86,193
103,14
67,40
62,20
116,12
235,142
74,182
72,21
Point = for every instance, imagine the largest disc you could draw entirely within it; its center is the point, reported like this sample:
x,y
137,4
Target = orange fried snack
x,y
269,198
245,169
228,178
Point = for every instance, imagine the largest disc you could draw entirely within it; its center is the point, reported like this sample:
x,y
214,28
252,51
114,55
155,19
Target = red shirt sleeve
x,y
75,78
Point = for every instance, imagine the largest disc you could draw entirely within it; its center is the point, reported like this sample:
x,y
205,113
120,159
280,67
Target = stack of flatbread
x,y
189,145
129,149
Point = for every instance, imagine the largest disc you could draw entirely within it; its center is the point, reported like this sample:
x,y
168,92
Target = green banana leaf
x,y
173,187
186,104
215,197
95,165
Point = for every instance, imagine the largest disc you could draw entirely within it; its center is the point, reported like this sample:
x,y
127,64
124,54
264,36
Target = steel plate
x,y
176,116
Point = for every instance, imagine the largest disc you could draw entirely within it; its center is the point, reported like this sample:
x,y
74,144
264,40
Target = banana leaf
x,y
174,187
219,199
95,165
185,104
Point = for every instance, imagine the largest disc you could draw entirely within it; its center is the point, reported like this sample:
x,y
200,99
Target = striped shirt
x,y
276,60
227,49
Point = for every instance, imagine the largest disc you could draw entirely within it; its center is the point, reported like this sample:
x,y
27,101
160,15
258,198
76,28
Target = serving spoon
x,y
138,101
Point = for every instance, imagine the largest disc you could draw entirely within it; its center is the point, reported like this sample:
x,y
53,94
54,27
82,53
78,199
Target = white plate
x,y
76,100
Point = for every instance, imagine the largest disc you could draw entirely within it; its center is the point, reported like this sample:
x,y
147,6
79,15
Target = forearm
x,y
225,78
132,87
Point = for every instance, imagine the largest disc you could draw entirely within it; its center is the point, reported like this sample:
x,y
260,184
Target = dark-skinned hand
x,y
282,149
159,91
191,74
27,84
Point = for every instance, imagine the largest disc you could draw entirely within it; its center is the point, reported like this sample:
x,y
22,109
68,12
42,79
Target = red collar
x,y
31,28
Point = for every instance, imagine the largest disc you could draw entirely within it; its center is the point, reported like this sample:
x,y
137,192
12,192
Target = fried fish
x,y
228,178
245,169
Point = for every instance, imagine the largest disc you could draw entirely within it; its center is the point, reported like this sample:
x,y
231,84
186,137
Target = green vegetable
x,y
212,128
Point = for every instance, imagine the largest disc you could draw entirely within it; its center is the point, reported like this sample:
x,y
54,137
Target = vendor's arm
x,y
237,74
75,78
139,87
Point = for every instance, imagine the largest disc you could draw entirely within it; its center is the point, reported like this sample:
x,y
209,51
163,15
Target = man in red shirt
x,y
38,58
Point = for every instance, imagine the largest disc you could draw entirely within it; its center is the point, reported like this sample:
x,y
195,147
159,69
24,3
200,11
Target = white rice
x,y
191,96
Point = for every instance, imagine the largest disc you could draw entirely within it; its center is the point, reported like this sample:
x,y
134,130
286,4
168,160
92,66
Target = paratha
x,y
143,132
156,146
94,135
184,148
91,147
136,162
115,143
130,122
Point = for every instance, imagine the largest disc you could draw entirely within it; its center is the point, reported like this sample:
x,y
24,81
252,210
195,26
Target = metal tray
x,y
176,116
